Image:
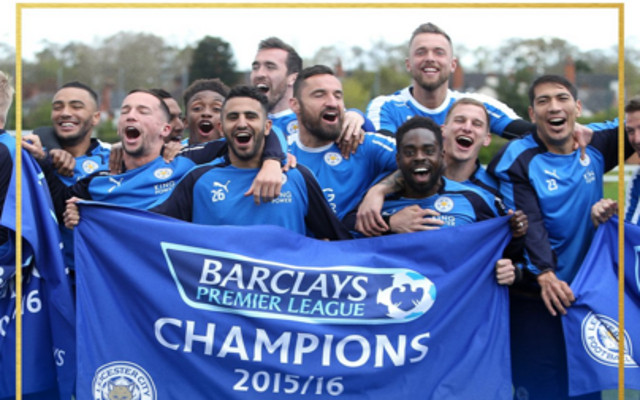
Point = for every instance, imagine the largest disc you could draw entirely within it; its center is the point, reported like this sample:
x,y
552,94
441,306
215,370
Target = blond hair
x,y
6,97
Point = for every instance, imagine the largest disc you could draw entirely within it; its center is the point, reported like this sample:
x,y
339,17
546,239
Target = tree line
x,y
128,60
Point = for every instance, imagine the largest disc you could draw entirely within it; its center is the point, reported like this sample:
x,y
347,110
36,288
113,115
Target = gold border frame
x,y
18,79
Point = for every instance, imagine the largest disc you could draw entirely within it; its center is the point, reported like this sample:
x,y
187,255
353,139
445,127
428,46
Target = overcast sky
x,y
308,28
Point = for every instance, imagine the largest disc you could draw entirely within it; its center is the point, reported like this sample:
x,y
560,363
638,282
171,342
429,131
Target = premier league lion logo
x,y
409,296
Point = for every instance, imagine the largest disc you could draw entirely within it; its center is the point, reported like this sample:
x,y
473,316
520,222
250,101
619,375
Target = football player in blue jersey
x,y
555,185
213,194
74,114
420,158
147,179
172,141
319,106
431,63
274,72
465,132
203,101
605,208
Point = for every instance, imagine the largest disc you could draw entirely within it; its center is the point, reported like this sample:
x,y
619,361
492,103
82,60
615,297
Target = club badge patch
x,y
332,158
123,380
444,204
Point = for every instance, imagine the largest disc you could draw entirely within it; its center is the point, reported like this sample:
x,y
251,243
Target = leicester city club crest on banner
x,y
123,380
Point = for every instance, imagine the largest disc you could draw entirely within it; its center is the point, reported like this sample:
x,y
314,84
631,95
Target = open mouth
x,y
262,87
330,116
422,171
557,121
205,126
464,141
243,138
131,132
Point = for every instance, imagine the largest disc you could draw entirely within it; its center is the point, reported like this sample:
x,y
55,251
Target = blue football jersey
x,y
96,159
556,192
458,204
286,122
345,182
390,111
215,195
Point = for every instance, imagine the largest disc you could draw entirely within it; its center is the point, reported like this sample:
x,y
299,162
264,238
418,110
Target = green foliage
x,y
611,190
487,153
604,115
213,58
107,132
512,90
39,115
356,95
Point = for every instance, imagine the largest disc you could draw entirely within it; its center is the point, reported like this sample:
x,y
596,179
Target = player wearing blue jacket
x,y
436,201
318,103
148,178
431,63
542,175
213,194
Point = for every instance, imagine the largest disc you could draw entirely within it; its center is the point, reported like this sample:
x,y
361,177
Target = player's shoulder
x,y
373,139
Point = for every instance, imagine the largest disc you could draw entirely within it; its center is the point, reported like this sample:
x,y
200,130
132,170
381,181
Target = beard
x,y
248,155
276,94
313,124
431,86
426,187
76,138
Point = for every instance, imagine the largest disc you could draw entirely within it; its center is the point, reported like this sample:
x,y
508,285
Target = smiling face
x,y
74,114
420,159
203,116
465,132
320,109
554,111
269,74
245,124
142,125
430,61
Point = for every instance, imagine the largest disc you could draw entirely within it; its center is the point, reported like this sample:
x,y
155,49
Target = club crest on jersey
x,y
90,166
585,161
444,204
123,380
332,158
292,127
600,341
163,173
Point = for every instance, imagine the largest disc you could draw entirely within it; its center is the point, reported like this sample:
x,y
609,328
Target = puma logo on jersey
x,y
552,173
116,182
220,185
